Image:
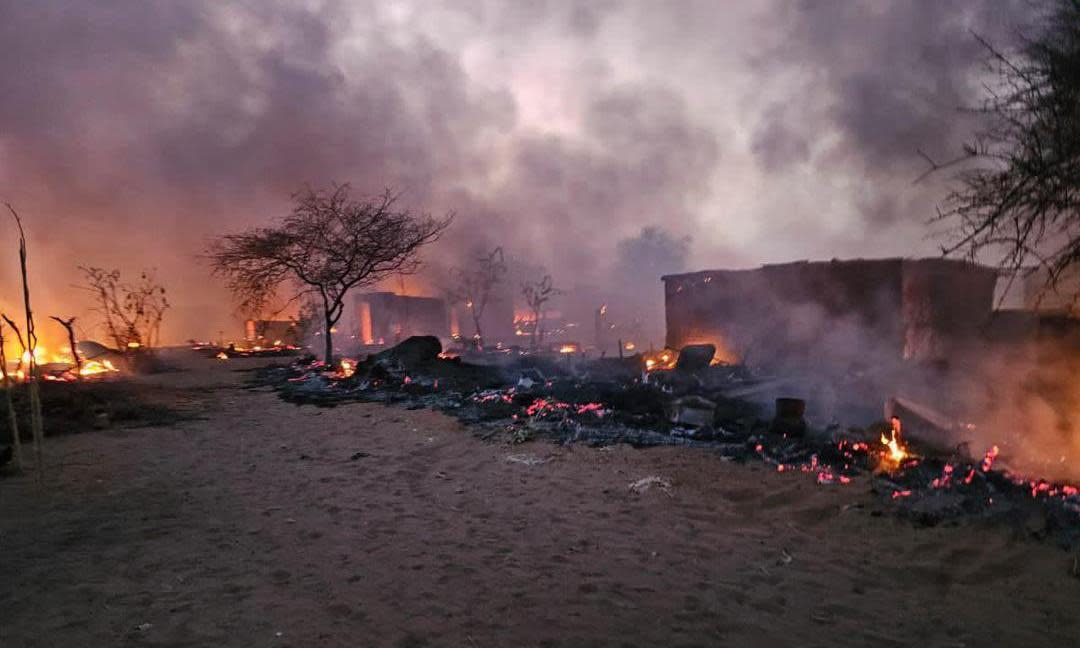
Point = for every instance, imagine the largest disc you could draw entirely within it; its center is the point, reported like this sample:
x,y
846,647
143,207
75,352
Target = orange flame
x,y
94,368
896,451
664,359
348,367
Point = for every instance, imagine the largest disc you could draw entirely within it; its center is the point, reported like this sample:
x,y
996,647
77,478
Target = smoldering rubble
x,y
693,402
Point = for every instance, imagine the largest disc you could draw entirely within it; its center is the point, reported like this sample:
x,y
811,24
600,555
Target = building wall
x,y
1061,298
269,332
388,318
947,307
787,313
844,313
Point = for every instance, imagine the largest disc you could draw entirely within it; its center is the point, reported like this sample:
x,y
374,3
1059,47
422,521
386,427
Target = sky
x,y
131,132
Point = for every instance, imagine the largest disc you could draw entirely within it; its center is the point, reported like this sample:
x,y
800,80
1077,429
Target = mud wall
x,y
388,318
842,313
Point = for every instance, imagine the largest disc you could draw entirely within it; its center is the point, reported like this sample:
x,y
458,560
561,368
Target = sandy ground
x,y
256,527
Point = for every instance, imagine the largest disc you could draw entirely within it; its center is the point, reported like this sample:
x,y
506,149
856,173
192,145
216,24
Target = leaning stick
x,y
37,427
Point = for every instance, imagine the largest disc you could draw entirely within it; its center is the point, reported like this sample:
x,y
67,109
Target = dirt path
x,y
268,524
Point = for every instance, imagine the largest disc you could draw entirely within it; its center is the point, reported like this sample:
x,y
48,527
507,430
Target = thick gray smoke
x,y
132,131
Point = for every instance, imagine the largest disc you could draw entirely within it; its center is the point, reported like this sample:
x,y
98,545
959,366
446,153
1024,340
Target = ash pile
x,y
685,398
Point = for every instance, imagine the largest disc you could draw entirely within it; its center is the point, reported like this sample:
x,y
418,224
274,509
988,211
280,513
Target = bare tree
x,y
328,245
473,286
69,326
1017,191
133,312
537,294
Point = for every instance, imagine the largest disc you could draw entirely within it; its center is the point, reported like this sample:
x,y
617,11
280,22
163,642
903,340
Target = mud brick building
x,y
388,318
861,310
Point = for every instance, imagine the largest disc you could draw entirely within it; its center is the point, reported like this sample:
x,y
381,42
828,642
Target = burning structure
x,y
921,335
869,311
388,318
272,333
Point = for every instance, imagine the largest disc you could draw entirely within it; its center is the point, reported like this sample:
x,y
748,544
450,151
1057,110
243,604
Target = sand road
x,y
268,524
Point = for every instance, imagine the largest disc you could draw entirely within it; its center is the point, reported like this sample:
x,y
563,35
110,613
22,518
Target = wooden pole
x,y
37,428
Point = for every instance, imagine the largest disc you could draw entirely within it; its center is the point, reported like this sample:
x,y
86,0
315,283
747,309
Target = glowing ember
x,y
596,408
661,360
222,355
543,406
568,348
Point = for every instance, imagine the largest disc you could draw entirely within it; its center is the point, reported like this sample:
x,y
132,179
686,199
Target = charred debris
x,y
691,401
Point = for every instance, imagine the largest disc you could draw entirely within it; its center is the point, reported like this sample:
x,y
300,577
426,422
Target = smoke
x,y
608,142
848,337
1023,399
131,132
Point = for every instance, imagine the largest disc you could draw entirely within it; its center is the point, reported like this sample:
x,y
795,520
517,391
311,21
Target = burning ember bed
x,y
276,350
607,401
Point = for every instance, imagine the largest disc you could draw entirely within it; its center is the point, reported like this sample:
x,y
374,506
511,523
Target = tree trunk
x,y
69,326
534,343
538,332
479,332
329,350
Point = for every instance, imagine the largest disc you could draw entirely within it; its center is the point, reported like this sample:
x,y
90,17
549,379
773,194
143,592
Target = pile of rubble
x,y
695,403
600,401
